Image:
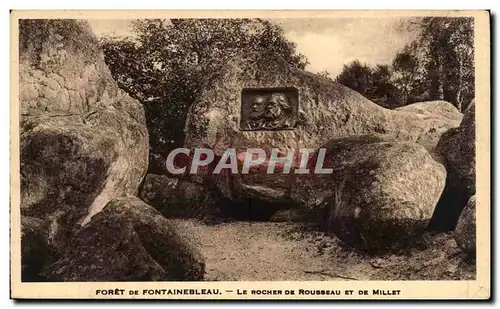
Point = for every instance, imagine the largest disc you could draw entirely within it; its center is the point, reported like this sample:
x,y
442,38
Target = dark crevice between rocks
x,y
255,210
449,207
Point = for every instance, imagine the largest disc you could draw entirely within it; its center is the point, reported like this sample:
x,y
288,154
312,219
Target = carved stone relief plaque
x,y
269,109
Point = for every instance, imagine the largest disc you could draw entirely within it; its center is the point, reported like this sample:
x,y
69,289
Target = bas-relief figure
x,y
270,109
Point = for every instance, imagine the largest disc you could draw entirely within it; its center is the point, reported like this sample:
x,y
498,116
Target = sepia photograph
x,y
329,151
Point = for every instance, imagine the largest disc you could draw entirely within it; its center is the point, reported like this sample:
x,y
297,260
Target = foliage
x,y
438,65
373,83
444,66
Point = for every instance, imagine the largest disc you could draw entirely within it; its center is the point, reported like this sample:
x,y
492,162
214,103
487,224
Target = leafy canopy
x,y
438,65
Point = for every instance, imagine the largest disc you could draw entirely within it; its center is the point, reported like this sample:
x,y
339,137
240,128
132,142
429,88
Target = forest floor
x,y
276,251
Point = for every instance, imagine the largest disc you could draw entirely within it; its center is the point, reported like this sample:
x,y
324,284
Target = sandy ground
x,y
254,251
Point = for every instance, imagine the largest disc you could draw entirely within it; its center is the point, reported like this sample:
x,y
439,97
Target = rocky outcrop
x,y
128,241
175,197
457,147
434,109
157,190
326,110
84,142
465,232
257,184
381,193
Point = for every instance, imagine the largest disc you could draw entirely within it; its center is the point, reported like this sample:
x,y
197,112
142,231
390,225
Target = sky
x,y
328,43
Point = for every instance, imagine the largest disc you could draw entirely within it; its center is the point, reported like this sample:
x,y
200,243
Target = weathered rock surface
x,y
83,140
381,193
257,183
175,197
35,251
128,241
457,147
327,110
433,109
157,189
465,232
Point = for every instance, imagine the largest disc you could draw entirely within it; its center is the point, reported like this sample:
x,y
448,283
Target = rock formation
x,y
381,194
458,148
465,232
84,155
326,111
84,145
458,145
175,197
83,140
128,241
433,109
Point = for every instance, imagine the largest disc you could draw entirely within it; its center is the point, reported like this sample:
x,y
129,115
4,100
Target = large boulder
x,y
380,195
458,145
128,241
83,141
465,232
326,109
176,198
458,148
434,109
302,110
157,190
